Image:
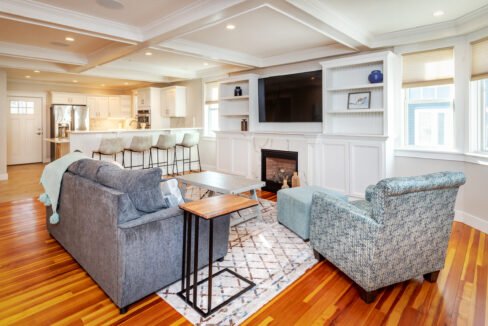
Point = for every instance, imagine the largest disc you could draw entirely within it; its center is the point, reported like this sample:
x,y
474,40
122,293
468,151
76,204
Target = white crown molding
x,y
27,64
40,53
77,85
39,13
466,24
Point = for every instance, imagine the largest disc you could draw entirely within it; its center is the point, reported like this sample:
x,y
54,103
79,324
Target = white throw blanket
x,y
51,181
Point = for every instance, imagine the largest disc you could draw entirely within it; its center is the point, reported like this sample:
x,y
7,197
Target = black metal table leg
x,y
210,260
188,257
183,263
195,263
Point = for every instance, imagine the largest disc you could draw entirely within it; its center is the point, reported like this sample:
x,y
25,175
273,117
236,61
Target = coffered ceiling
x,y
164,40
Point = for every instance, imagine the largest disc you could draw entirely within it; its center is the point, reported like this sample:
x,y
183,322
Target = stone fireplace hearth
x,y
276,166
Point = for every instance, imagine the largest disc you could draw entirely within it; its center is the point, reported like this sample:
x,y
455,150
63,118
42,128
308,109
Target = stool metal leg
x,y
199,164
189,159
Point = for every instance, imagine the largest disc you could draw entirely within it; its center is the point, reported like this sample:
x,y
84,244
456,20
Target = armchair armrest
x,y
369,192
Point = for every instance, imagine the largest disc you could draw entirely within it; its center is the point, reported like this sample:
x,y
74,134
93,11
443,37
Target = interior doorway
x,y
24,138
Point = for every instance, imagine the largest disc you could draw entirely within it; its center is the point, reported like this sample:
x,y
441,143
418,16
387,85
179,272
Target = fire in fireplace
x,y
276,166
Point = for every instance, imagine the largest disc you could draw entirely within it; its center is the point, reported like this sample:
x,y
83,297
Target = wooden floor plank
x,y
41,284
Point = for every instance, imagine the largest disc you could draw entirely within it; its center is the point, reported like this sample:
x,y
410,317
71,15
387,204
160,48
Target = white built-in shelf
x,y
232,98
355,111
341,134
234,81
235,114
352,87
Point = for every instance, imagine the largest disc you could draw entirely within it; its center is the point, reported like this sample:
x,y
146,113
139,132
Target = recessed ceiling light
x,y
126,83
230,26
148,53
438,13
27,76
75,81
69,39
205,63
110,4
103,85
37,71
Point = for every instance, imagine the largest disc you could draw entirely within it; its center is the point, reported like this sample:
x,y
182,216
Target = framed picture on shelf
x,y
359,101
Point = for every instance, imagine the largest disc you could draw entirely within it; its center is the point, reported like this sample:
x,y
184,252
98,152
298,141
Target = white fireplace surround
x,y
344,164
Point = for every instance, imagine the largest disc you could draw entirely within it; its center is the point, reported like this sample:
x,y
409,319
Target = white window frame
x,y
207,109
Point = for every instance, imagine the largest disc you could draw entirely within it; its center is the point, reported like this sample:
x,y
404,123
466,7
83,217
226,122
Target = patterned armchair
x,y
399,232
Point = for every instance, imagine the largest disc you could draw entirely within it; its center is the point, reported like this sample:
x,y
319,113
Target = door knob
x,y
39,133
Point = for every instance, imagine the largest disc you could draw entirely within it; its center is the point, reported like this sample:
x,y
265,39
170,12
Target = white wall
x,y
3,125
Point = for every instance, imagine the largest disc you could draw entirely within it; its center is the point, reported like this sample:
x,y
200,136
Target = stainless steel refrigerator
x,y
73,117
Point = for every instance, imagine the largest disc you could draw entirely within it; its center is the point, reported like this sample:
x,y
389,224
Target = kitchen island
x,y
89,141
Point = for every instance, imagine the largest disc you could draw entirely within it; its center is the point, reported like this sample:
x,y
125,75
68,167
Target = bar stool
x,y
139,144
165,143
110,147
190,140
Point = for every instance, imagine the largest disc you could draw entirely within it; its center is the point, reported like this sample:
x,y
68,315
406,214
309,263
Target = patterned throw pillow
x,y
171,192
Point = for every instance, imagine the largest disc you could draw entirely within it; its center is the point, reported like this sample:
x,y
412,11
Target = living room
x,y
318,162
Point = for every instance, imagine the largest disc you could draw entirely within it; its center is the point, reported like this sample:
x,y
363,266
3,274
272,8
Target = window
x,y
429,116
479,102
428,88
21,107
211,109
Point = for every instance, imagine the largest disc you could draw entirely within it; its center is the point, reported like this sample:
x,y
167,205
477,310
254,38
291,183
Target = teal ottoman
x,y
294,206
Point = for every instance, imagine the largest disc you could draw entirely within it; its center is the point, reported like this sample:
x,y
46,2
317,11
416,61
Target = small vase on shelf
x,y
295,180
244,125
375,77
238,91
285,183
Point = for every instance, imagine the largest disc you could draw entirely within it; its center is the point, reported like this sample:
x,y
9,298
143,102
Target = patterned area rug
x,y
261,250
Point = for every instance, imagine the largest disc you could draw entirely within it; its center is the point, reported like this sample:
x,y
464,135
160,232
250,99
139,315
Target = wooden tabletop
x,y
216,206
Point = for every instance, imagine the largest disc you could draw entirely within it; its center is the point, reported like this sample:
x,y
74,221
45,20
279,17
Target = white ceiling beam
x,y
317,15
201,50
307,54
140,72
40,53
40,13
28,64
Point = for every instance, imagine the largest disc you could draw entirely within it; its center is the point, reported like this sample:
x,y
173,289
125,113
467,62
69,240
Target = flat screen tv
x,y
291,98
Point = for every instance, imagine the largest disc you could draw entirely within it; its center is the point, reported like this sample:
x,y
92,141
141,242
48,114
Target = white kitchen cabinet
x,y
114,107
144,97
98,106
125,106
68,98
173,101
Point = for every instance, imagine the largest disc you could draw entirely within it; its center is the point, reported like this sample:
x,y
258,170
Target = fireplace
x,y
276,166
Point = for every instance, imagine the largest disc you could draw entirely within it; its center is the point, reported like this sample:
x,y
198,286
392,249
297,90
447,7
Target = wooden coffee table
x,y
221,183
207,209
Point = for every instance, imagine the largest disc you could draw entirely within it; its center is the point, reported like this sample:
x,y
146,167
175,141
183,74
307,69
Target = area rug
x,y
261,250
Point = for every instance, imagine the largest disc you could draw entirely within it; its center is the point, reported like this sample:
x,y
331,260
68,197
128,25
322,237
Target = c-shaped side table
x,y
207,209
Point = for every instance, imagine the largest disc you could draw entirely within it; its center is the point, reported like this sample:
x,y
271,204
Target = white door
x,y
24,130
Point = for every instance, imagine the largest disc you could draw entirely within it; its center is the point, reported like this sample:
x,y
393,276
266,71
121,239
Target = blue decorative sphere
x,y
376,76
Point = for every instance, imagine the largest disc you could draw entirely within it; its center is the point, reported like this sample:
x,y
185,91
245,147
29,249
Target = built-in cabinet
x,y
149,99
173,101
234,108
98,107
355,148
68,98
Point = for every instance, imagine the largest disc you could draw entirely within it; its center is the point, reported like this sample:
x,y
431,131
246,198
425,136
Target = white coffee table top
x,y
220,182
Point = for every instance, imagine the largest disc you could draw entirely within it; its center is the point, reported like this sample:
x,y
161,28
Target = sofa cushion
x,y
87,168
142,186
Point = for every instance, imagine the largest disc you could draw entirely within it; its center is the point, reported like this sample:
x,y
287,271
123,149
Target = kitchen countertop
x,y
131,130
57,140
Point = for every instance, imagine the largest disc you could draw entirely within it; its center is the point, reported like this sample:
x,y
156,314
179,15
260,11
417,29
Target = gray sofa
x,y
115,225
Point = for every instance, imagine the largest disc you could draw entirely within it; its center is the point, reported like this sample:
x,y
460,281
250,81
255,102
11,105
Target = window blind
x,y
479,65
428,68
211,93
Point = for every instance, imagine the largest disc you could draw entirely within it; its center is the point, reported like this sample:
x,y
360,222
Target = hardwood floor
x,y
23,182
40,284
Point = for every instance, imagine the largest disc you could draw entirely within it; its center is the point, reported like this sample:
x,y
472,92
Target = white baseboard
x,y
209,167
471,220
4,176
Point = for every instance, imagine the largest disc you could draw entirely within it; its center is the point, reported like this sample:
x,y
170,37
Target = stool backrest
x,y
111,145
190,139
166,141
141,143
